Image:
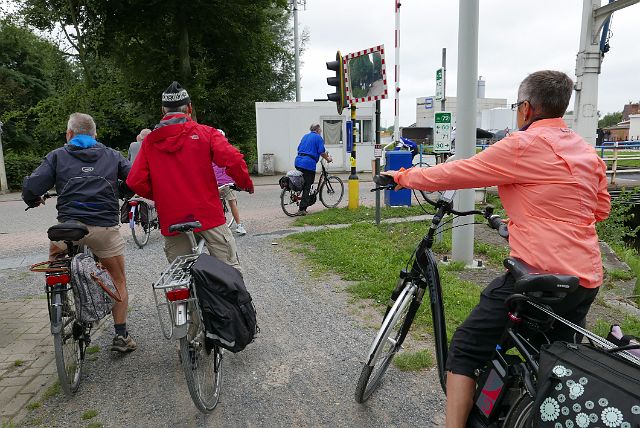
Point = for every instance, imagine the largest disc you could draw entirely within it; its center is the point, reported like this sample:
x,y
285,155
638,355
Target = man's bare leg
x,y
233,205
460,391
115,267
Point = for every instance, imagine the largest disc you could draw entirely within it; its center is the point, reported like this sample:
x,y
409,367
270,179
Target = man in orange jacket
x,y
173,169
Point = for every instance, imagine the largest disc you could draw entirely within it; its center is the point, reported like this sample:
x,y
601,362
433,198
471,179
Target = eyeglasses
x,y
515,106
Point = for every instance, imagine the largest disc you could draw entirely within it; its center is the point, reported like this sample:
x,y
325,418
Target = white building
x,y
281,125
634,127
426,107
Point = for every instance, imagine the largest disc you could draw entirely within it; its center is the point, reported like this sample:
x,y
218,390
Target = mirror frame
x,y
353,55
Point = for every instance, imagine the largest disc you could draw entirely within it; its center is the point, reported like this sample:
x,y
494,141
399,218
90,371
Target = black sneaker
x,y
301,212
123,344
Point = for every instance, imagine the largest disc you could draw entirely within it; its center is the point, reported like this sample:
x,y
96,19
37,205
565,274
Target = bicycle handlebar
x,y
231,186
386,182
44,197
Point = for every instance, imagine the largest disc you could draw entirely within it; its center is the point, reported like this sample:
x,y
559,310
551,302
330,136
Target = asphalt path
x,y
301,371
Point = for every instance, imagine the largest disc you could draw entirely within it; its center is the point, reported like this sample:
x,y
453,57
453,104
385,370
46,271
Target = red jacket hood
x,y
169,133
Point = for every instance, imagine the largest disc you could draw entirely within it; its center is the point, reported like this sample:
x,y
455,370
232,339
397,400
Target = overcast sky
x,y
515,39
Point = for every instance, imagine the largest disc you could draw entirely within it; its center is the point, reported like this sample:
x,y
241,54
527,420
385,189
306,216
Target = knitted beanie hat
x,y
175,95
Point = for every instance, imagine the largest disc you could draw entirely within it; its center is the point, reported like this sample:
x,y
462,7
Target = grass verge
x,y
362,213
630,325
372,257
89,414
413,361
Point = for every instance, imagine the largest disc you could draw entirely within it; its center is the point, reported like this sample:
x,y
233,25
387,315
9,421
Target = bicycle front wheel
x,y
290,202
331,192
202,367
388,342
67,333
140,230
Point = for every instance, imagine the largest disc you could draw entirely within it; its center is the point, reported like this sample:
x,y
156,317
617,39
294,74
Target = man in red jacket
x,y
173,168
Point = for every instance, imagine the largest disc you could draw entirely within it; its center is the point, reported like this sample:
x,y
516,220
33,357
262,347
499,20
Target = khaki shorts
x,y
105,242
219,241
228,194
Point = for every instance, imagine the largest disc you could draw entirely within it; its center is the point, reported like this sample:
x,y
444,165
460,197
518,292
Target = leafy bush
x,y
615,230
19,165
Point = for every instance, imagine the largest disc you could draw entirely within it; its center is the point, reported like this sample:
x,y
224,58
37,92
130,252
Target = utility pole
x,y
296,43
396,123
4,186
466,122
588,65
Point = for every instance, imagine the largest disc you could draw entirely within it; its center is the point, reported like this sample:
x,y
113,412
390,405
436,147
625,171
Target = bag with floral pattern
x,y
581,386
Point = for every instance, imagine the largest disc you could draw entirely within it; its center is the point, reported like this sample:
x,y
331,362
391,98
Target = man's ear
x,y
189,109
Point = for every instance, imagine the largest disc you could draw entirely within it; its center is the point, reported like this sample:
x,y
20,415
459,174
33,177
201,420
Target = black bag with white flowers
x,y
580,386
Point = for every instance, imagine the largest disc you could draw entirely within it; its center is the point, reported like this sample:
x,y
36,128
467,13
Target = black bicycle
x,y
143,218
512,378
330,188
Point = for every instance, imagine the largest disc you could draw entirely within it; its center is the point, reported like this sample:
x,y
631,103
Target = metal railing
x,y
618,149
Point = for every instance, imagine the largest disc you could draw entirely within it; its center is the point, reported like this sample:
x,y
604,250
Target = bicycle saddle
x,y
67,232
185,227
544,287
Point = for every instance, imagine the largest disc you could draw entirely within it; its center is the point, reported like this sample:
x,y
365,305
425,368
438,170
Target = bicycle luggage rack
x,y
176,275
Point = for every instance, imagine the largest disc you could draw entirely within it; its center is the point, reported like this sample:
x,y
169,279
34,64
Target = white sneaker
x,y
240,230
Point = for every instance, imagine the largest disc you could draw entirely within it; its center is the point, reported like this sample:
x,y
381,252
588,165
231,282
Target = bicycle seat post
x,y
192,240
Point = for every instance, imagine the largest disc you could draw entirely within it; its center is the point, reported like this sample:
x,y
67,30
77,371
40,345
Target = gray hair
x,y
315,127
548,92
81,123
143,134
178,109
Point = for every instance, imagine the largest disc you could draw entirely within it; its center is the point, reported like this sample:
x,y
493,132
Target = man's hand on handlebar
x,y
391,173
37,202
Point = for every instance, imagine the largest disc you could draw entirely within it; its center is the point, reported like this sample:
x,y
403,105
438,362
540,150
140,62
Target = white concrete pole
x,y
396,121
466,112
588,63
587,69
296,45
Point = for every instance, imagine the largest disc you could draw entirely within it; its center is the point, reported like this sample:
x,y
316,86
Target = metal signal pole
x,y
296,43
462,239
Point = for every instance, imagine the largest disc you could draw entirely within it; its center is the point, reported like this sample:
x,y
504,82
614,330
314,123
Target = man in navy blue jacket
x,y
310,149
85,174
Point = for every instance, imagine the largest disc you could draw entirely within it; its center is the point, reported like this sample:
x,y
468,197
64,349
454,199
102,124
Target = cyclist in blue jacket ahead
x,y
310,149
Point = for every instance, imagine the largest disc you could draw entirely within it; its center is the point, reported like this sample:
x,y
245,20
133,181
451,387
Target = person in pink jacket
x,y
553,187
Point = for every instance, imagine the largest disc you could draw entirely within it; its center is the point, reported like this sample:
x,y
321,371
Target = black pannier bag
x,y
284,182
142,212
580,386
227,309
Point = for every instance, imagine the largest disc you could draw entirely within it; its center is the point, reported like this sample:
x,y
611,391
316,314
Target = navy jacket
x,y
86,180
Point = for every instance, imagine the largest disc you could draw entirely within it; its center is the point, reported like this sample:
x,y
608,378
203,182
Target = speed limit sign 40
x,y
442,132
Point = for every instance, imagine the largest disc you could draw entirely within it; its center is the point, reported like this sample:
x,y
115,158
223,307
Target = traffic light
x,y
339,97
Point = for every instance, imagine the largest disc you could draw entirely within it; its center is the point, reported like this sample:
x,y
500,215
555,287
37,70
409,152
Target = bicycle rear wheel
x,y
68,337
331,192
202,368
387,343
290,202
140,230
519,415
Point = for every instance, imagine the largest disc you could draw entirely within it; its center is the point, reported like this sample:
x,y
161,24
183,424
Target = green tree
x,y
32,71
610,119
227,54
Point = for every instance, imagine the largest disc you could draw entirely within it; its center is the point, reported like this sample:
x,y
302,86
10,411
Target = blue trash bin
x,y
394,161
